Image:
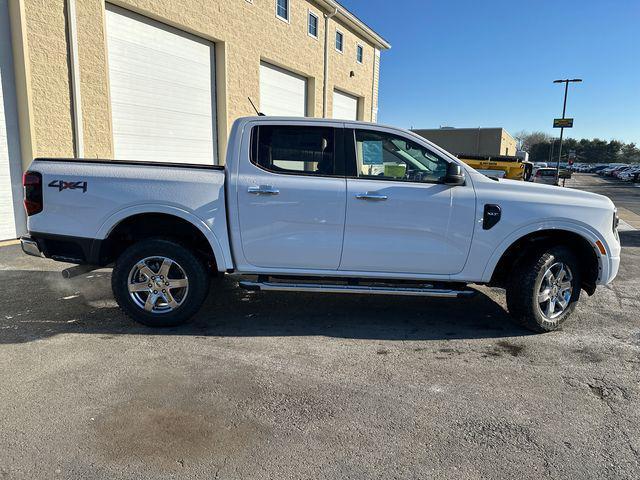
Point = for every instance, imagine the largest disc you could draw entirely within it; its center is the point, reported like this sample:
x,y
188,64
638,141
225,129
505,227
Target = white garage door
x,y
162,91
12,221
282,92
345,106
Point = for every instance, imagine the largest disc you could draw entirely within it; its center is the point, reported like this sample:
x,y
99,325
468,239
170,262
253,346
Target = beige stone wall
x,y
51,118
508,144
342,64
245,34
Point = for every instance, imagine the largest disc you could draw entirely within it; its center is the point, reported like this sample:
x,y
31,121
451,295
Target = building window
x,y
359,53
313,25
339,41
282,9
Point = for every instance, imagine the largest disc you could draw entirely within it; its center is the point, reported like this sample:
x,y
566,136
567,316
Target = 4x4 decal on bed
x,y
62,185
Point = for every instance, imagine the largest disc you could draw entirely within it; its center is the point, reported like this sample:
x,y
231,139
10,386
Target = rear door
x,y
400,217
291,197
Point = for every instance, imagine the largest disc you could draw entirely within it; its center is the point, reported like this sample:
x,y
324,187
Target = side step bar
x,y
363,289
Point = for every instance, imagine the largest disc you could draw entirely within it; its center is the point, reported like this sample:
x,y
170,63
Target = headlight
x,y
616,220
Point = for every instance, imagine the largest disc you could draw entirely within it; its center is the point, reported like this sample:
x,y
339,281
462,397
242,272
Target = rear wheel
x,y
159,283
543,289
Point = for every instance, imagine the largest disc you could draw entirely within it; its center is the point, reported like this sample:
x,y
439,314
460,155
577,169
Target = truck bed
x,y
86,198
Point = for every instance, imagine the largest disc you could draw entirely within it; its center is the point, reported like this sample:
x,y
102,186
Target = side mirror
x,y
454,176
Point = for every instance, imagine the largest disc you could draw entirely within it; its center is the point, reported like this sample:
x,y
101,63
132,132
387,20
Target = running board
x,y
370,290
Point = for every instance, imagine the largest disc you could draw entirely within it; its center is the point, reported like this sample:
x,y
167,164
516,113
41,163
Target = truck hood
x,y
550,194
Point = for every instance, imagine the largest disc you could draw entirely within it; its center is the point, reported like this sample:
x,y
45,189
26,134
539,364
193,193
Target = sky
x,y
491,63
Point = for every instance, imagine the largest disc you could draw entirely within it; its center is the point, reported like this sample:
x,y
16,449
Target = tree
x,y
629,153
526,140
589,151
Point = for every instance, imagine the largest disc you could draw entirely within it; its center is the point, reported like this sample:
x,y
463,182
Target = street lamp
x,y
566,82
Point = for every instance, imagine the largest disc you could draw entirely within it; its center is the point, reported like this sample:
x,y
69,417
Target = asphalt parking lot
x,y
292,386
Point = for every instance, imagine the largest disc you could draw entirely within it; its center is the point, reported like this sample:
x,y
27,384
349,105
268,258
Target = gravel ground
x,y
293,386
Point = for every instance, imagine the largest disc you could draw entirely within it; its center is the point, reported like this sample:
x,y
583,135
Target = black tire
x,y
525,282
193,268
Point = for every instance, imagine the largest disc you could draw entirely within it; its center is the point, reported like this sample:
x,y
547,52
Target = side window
x,y
282,9
313,25
293,149
339,41
382,155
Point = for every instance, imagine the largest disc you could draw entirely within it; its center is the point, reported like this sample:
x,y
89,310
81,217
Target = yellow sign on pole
x,y
562,122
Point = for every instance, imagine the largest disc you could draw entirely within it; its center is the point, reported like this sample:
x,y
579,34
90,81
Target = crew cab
x,y
316,205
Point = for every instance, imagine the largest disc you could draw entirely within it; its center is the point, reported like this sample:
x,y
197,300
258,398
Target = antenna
x,y
260,114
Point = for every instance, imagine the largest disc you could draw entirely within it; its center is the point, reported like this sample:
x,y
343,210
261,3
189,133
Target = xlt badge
x,y
492,214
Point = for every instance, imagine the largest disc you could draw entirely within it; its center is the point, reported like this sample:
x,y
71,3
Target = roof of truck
x,y
270,118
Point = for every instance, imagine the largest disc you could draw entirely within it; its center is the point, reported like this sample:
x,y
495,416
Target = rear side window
x,y
294,150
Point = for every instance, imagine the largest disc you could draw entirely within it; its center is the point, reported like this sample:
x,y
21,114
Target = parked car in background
x,y
630,174
607,172
597,168
620,171
545,175
536,166
315,205
583,167
614,172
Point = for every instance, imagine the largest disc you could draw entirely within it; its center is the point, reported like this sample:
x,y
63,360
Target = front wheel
x,y
159,283
543,289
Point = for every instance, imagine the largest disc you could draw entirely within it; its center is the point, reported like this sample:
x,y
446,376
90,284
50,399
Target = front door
x,y
291,198
401,218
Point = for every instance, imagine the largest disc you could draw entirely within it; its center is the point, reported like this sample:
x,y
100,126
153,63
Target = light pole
x,y
564,110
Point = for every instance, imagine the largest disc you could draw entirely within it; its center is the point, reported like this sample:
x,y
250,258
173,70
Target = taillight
x,y
32,183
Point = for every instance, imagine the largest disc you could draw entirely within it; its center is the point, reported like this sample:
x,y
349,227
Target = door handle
x,y
263,190
371,196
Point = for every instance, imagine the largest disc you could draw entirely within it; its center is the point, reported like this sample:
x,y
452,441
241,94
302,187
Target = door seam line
x,y
344,225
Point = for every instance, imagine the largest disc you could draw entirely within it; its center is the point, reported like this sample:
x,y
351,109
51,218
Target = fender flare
x,y
222,260
579,228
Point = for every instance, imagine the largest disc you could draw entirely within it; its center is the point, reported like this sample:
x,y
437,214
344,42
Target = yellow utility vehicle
x,y
502,166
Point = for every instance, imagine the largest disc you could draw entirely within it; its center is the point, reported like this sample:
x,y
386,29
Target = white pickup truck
x,y
315,205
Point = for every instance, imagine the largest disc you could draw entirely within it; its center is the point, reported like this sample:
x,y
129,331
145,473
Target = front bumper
x,y
610,261
613,264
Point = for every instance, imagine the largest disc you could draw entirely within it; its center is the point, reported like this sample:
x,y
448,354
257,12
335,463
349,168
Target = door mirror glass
x,y
454,176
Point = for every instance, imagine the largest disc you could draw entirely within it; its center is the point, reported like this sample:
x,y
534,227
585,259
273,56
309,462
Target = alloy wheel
x,y
158,284
555,290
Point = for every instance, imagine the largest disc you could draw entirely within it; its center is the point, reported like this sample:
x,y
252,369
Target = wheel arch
x,y
136,223
579,239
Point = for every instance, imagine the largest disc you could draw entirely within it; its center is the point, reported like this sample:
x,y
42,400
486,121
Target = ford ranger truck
x,y
317,205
